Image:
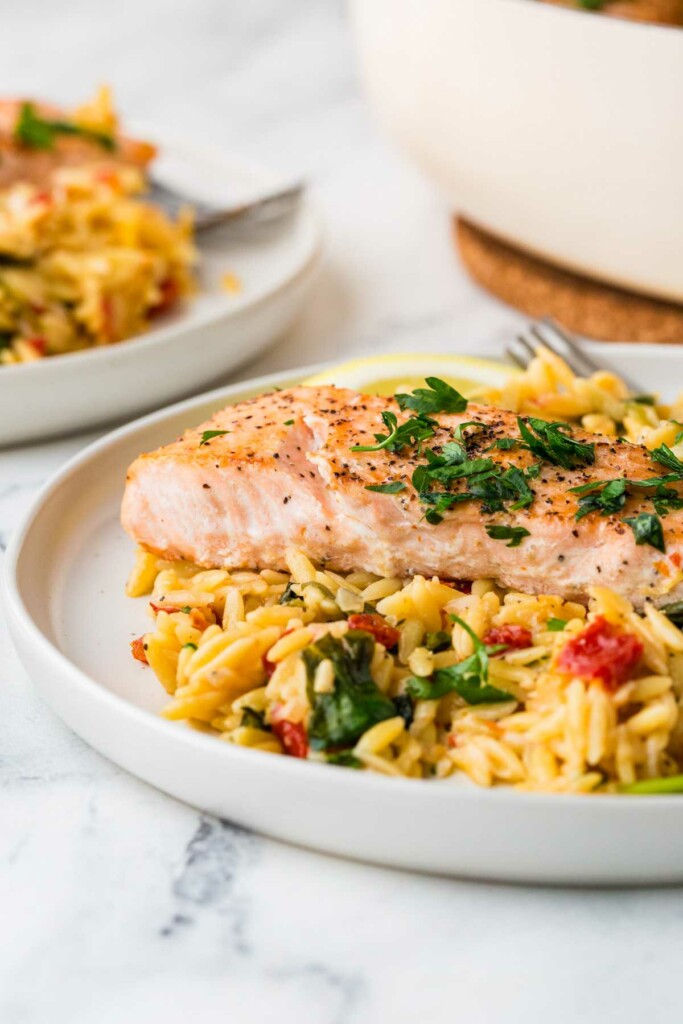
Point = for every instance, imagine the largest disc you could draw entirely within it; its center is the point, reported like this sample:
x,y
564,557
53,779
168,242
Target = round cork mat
x,y
580,304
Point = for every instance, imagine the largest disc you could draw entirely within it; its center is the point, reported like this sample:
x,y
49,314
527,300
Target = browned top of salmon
x,y
285,473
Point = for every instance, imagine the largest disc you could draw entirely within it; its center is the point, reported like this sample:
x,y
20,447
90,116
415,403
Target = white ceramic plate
x,y
189,349
71,623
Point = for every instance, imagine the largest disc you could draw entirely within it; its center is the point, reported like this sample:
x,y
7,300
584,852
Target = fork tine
x,y
564,345
520,360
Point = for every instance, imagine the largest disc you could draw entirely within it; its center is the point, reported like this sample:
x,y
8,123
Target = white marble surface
x,y
119,904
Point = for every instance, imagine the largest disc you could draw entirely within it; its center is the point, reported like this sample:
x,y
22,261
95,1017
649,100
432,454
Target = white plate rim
x,y
20,620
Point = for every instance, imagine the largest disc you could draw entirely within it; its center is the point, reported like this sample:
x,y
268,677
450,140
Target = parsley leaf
x,y
556,625
607,501
458,433
469,678
666,457
498,490
288,423
504,444
437,397
647,529
643,399
553,445
415,429
674,612
344,758
404,707
391,488
515,534
208,434
438,641
340,718
37,132
253,719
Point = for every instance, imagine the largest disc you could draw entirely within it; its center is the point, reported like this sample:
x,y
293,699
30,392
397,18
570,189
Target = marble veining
x,y
119,904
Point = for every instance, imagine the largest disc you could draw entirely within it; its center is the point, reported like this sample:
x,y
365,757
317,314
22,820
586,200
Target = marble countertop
x,y
120,904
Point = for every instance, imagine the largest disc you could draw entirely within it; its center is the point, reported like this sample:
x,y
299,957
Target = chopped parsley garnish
x,y
507,488
390,488
469,678
643,399
666,457
556,625
504,444
674,611
647,529
514,534
654,787
38,132
551,443
607,501
340,718
404,707
344,758
190,645
253,719
207,435
459,430
288,423
437,641
289,596
414,430
436,397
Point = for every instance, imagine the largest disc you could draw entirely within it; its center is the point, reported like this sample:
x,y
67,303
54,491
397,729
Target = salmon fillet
x,y
284,475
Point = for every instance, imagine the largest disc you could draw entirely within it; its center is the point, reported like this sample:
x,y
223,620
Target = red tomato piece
x,y
38,344
375,625
169,291
169,608
137,648
269,666
292,736
603,652
514,637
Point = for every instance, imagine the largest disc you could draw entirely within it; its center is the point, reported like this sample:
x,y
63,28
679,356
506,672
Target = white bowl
x,y
198,345
559,130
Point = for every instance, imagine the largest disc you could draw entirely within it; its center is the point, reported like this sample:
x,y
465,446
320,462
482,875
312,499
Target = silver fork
x,y
547,333
267,208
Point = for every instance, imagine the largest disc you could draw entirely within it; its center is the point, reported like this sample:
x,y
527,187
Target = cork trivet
x,y
580,304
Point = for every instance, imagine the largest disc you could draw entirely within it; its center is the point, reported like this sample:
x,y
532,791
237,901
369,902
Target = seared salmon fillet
x,y
281,473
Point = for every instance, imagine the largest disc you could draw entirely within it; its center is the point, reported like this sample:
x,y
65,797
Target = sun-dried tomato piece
x,y
375,625
292,736
601,651
137,648
514,637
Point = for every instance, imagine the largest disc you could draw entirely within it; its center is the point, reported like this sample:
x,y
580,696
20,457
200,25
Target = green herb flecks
x,y
253,719
647,529
345,758
36,132
394,487
608,500
340,718
190,646
415,430
404,707
674,612
514,534
666,457
459,432
654,787
469,678
208,435
551,443
437,641
436,397
556,625
288,423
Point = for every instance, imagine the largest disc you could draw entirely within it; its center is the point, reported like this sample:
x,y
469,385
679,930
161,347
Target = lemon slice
x,y
385,375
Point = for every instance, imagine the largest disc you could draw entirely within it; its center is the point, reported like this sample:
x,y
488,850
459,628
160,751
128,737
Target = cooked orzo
x,y
428,678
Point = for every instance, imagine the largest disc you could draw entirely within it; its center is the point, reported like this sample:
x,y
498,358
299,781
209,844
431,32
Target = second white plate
x,y
188,350
71,623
